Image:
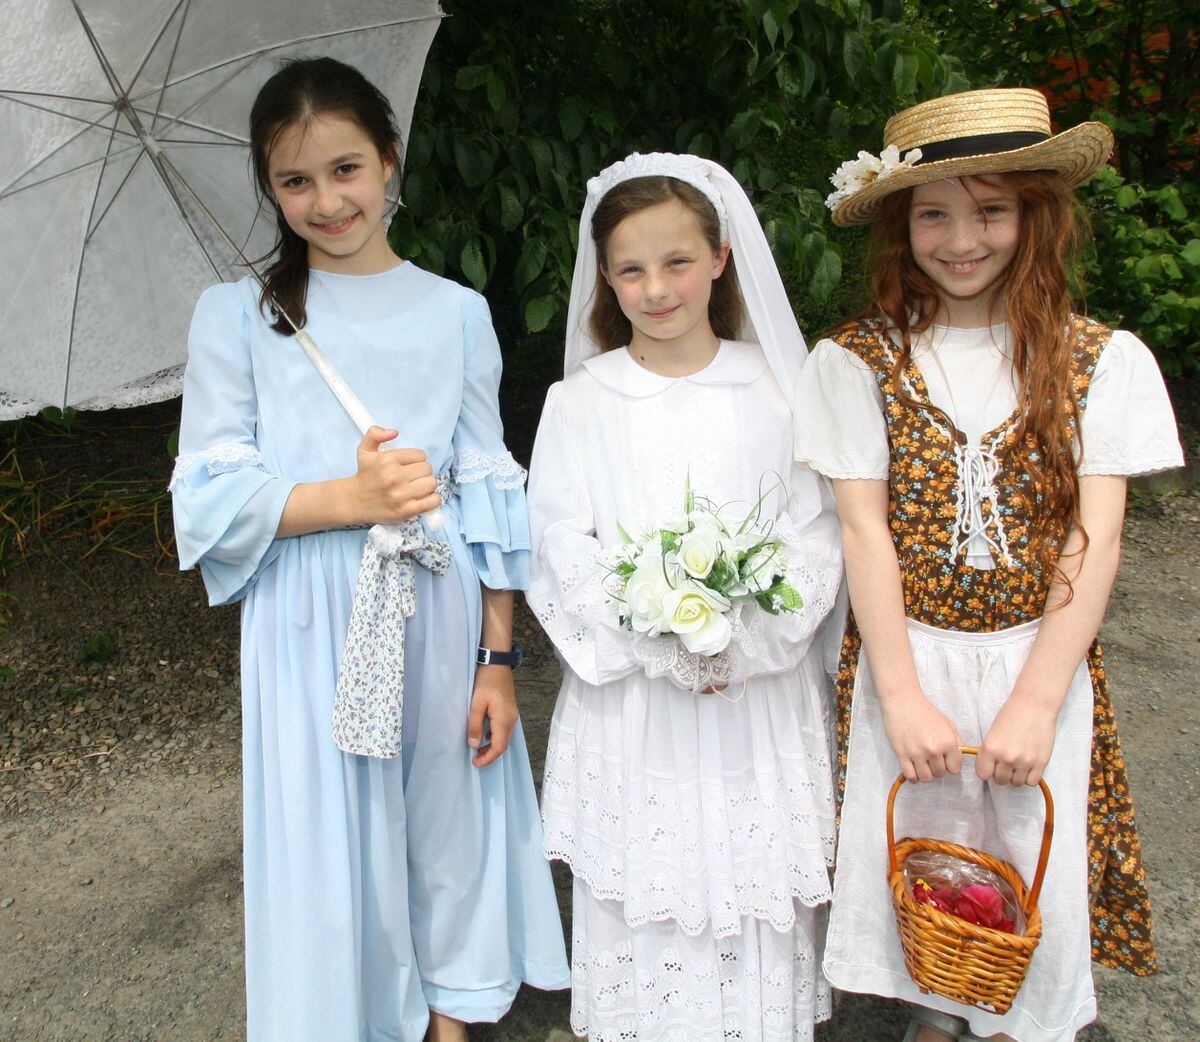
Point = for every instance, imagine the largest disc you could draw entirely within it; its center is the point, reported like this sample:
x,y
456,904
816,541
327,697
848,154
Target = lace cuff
x,y
220,459
505,472
569,599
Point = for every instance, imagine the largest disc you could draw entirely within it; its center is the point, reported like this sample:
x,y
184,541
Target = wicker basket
x,y
974,965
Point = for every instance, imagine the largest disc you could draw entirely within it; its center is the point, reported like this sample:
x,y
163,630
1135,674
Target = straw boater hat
x,y
975,132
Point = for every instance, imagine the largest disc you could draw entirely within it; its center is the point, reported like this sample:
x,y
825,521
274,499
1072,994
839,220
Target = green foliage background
x,y
522,103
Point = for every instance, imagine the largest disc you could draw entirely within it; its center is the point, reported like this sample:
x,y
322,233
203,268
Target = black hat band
x,y
979,145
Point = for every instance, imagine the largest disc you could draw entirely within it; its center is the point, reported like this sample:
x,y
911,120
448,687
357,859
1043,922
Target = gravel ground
x,y
120,910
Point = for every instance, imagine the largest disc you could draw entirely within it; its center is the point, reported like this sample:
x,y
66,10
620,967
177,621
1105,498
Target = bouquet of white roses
x,y
688,578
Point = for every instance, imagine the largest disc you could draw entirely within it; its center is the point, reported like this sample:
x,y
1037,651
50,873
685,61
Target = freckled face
x,y
662,269
964,233
330,181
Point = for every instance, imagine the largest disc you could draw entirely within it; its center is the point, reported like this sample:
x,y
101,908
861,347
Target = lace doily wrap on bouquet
x,y
369,701
665,656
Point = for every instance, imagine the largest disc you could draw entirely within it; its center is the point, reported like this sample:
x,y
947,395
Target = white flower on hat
x,y
855,174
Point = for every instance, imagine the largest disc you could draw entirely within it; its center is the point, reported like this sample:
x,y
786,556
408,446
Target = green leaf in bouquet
x,y
689,500
722,576
756,511
670,540
789,596
626,538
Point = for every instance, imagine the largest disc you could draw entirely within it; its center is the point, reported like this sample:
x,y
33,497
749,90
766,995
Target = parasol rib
x,y
8,192
152,147
296,41
157,40
93,225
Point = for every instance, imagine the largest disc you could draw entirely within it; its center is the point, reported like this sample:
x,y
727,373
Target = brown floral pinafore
x,y
941,590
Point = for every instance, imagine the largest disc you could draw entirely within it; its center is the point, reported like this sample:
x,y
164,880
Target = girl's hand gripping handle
x,y
434,519
925,741
1018,745
395,484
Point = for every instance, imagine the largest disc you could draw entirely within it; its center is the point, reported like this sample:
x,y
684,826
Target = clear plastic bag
x,y
964,889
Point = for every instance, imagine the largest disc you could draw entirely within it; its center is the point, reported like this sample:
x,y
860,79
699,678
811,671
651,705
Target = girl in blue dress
x,y
396,894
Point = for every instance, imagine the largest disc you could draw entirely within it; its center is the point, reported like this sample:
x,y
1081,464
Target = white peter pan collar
x,y
735,362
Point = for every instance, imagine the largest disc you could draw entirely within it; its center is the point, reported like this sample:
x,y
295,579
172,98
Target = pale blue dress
x,y
375,889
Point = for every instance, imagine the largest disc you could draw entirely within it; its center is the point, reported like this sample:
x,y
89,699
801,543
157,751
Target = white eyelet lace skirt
x,y
700,833
655,983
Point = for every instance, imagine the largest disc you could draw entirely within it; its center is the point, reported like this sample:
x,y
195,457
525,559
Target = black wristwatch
x,y
488,657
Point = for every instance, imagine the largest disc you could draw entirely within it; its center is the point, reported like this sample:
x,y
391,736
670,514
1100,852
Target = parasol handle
x,y
434,519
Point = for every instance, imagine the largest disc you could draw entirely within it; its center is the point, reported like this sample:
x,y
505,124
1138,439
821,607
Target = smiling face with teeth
x,y
964,233
329,181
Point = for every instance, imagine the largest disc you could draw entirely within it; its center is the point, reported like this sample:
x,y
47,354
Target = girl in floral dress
x,y
698,824
979,433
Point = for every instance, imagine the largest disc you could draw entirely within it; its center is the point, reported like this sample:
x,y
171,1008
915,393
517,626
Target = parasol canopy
x,y
113,112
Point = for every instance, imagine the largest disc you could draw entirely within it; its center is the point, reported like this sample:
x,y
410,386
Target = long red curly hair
x,y
1038,308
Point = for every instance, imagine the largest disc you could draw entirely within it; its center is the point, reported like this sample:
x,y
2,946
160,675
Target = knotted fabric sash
x,y
369,700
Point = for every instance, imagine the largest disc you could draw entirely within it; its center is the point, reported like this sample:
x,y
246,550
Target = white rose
x,y
696,614
645,592
760,568
699,549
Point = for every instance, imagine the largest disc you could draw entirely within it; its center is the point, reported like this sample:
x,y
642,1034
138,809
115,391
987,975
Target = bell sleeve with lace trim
x,y
841,431
226,502
566,590
491,484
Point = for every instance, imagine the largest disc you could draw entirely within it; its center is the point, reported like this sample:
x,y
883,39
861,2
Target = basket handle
x,y
1047,832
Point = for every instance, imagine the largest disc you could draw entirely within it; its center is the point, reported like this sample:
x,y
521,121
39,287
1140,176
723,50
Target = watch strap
x,y
488,657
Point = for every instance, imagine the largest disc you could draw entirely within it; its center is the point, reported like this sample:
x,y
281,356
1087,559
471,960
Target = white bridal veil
x,y
769,319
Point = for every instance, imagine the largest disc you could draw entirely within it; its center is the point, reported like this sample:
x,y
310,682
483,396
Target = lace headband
x,y
690,169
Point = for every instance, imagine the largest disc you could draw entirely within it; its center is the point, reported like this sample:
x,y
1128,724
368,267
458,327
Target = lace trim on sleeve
x,y
1129,468
575,606
849,471
505,472
220,459
1113,456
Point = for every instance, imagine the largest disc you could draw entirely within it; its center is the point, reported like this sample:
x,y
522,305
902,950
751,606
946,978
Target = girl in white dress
x,y
698,825
979,434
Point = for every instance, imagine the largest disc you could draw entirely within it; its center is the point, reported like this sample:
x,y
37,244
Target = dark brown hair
x,y
298,93
608,325
1038,308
